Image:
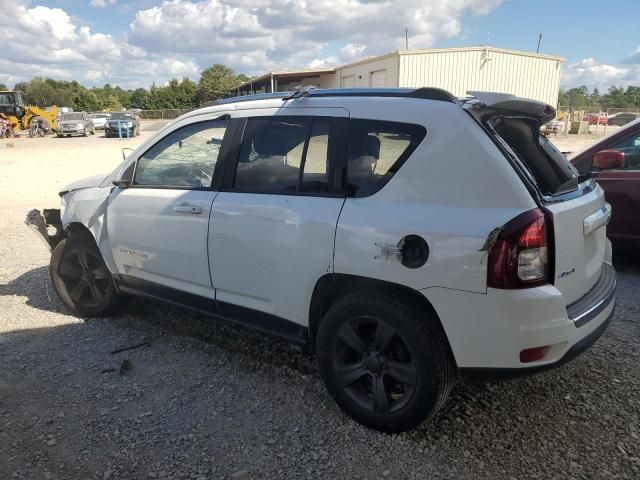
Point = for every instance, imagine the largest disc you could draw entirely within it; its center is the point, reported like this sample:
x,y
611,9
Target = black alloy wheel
x,y
81,278
385,359
373,365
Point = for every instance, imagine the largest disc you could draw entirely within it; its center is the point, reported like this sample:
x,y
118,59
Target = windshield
x,y
121,116
6,98
72,116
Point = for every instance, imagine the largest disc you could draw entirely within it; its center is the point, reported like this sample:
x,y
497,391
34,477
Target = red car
x,y
594,118
614,162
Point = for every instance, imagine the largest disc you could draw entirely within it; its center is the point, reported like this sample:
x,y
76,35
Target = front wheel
x,y
81,278
385,360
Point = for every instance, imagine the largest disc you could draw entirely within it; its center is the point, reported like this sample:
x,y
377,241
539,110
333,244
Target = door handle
x,y
186,208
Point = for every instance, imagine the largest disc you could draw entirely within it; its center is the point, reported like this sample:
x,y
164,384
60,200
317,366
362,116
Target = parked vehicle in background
x,y
595,119
99,119
126,124
620,119
333,218
614,162
75,123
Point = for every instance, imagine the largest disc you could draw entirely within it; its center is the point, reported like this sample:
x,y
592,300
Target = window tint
x,y
284,154
630,146
184,158
377,149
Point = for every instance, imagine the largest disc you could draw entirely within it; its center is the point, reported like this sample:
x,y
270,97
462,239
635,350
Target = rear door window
x,y
377,149
284,154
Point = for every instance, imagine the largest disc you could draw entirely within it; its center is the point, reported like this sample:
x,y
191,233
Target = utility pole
x,y
406,39
539,42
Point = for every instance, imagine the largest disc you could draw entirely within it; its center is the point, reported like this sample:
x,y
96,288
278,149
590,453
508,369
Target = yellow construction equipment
x,y
23,116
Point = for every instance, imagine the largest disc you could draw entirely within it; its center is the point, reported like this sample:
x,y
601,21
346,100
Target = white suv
x,y
405,236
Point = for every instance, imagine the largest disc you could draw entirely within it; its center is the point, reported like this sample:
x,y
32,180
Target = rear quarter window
x,y
377,150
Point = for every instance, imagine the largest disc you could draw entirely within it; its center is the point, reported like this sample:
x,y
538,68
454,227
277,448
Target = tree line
x,y
217,81
616,97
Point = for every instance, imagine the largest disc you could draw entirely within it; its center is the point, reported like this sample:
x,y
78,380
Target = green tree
x,y
111,103
216,82
139,99
3,87
86,101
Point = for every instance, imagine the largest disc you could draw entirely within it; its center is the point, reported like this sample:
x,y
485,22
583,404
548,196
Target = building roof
x,y
291,75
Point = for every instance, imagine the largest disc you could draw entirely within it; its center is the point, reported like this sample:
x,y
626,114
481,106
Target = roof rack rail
x,y
250,98
299,91
425,93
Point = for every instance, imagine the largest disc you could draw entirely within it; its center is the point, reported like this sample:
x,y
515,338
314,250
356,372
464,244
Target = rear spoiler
x,y
491,104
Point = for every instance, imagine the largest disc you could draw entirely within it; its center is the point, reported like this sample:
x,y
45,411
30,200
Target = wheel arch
x,y
331,287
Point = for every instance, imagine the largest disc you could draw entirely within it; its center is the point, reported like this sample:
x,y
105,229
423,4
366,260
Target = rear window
x,y
377,149
552,172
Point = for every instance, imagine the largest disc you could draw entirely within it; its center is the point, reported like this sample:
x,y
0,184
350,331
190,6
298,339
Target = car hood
x,y
88,182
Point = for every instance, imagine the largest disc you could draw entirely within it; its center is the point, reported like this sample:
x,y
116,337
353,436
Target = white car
x,y
99,119
403,235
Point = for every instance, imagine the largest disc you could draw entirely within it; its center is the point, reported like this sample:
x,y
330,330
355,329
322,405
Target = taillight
x,y
519,257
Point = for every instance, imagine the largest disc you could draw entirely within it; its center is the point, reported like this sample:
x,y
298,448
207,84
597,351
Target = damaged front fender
x,y
48,224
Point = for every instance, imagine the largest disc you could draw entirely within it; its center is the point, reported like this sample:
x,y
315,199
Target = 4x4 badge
x,y
567,272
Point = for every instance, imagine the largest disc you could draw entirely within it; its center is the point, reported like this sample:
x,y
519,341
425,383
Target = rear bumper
x,y
486,375
488,331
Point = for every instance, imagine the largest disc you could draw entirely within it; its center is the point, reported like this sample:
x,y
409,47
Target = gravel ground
x,y
202,401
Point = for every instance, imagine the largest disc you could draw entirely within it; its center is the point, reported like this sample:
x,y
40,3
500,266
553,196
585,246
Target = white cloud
x,y
102,3
295,33
591,73
180,37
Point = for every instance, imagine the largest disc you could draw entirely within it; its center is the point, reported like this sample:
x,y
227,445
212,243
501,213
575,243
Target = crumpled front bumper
x,y
48,224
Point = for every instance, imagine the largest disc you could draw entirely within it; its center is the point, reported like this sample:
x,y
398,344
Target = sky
x,y
136,42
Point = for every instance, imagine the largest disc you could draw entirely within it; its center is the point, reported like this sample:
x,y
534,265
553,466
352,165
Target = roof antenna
x,y
539,42
406,39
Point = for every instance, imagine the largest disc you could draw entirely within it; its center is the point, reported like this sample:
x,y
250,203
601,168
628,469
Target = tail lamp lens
x,y
519,257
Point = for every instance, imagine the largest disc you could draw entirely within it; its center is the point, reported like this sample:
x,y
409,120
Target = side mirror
x,y
122,183
608,159
125,179
124,155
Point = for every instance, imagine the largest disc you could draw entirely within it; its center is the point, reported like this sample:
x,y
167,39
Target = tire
x,y
59,135
93,131
84,132
81,278
45,126
385,360
137,134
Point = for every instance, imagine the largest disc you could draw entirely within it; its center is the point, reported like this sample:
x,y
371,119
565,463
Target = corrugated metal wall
x,y
488,70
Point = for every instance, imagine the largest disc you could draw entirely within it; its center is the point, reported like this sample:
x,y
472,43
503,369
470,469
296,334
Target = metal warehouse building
x,y
457,70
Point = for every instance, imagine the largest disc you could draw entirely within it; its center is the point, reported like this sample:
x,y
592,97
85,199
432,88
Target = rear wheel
x,y
81,278
384,360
